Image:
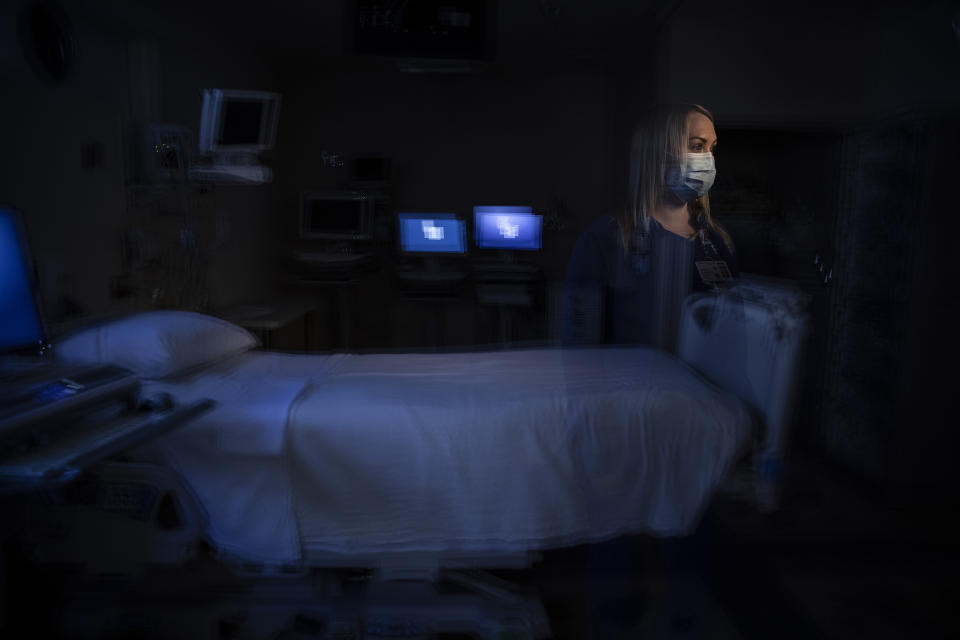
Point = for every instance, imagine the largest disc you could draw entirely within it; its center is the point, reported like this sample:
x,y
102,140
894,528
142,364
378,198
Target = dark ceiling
x,y
281,30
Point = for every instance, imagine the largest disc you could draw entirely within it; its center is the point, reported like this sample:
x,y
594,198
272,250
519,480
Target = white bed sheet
x,y
490,452
234,456
507,451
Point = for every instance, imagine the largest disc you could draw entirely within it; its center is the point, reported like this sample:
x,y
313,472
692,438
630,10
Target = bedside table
x,y
268,316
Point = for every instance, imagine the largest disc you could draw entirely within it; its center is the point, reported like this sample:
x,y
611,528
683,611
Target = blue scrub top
x,y
612,296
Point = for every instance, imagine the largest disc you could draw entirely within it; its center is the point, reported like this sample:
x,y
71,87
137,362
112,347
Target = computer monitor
x,y
431,233
238,121
336,215
506,227
21,325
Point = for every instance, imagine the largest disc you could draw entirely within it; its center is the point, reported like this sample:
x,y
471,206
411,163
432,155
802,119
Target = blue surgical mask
x,y
693,179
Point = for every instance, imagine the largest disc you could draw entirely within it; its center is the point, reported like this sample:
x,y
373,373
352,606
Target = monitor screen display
x,y
432,233
238,121
507,228
334,216
242,122
20,325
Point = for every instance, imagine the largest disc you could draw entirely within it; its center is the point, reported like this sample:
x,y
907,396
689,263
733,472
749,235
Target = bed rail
x,y
750,340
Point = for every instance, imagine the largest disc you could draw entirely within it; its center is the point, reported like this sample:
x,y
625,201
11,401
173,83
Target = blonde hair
x,y
660,140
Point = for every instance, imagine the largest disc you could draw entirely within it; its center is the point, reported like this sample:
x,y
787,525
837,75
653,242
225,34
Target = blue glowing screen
x,y
19,321
432,233
507,228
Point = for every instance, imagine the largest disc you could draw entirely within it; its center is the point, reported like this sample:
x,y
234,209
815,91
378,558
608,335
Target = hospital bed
x,y
416,464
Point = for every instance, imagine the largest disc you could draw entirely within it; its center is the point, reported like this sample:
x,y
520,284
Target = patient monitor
x,y
336,215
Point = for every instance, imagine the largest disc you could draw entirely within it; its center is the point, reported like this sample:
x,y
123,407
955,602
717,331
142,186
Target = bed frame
x,y
748,340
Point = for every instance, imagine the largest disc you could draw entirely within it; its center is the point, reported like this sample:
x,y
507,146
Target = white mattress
x,y
234,456
507,451
478,452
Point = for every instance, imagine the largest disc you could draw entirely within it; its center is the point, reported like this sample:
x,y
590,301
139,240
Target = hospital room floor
x,y
833,563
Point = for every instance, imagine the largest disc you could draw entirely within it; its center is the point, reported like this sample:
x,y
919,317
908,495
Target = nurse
x,y
630,271
625,284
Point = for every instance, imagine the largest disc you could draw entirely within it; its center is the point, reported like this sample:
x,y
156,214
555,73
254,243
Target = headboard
x,y
750,340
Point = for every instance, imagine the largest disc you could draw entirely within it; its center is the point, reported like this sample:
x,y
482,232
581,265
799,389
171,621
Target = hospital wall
x,y
70,152
820,64
73,215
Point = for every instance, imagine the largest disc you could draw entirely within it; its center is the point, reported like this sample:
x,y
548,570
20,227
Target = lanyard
x,y
713,269
642,244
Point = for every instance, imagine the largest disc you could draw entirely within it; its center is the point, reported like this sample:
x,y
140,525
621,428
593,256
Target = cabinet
x,y
881,229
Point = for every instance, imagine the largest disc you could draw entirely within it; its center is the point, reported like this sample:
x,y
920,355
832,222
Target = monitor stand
x,y
431,264
506,266
236,159
342,247
432,278
230,167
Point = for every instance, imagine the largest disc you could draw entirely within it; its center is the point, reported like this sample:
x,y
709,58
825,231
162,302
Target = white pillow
x,y
157,344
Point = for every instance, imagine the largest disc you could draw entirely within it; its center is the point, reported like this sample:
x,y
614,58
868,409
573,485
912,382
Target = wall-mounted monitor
x,y
336,215
430,29
506,227
431,233
21,326
238,121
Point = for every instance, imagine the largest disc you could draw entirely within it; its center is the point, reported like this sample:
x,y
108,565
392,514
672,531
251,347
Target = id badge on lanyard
x,y
713,272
